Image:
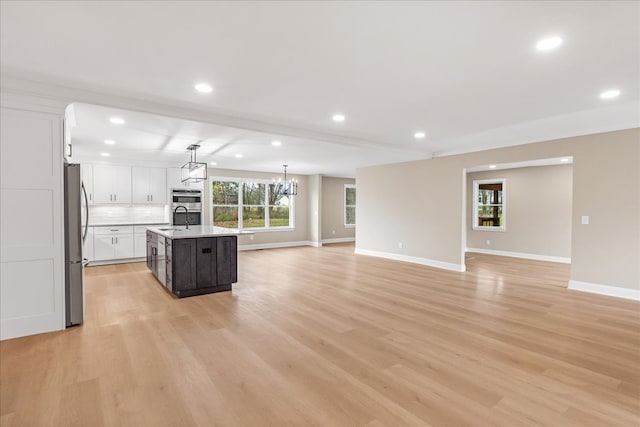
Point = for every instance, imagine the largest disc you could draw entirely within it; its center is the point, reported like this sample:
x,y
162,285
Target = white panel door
x,y
31,253
124,246
121,184
158,186
102,184
140,245
140,185
87,180
104,247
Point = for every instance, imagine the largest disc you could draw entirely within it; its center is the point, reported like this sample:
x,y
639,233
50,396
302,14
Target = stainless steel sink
x,y
171,229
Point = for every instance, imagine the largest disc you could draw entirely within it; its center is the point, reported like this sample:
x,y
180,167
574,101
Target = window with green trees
x,y
249,204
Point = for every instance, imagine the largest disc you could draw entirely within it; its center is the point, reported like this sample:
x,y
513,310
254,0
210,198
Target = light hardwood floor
x,y
320,336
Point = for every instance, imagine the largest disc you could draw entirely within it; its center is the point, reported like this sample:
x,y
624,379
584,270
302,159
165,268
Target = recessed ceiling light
x,y
203,88
109,141
105,154
609,94
238,156
492,166
117,120
276,143
212,163
419,135
565,160
338,117
549,43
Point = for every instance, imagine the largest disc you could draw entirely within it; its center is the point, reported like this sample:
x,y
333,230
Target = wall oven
x,y
190,199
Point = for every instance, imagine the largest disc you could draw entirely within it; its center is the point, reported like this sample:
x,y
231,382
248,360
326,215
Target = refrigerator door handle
x,y
86,216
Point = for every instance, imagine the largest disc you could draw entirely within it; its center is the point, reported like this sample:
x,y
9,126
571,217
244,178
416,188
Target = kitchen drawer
x,y
116,229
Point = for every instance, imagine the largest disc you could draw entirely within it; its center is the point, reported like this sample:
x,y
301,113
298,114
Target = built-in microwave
x,y
182,197
190,199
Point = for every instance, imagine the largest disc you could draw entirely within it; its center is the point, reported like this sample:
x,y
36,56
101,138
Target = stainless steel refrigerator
x,y
75,233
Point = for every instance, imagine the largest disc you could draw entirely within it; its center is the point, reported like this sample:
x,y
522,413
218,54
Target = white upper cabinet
x,y
174,180
149,186
112,184
87,181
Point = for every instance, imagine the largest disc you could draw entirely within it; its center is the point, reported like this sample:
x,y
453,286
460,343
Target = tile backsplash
x,y
102,215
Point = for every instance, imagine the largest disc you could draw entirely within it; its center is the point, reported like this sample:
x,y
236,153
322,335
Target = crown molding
x,y
63,92
610,118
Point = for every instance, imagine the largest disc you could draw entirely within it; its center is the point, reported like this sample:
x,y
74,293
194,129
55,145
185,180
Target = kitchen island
x,y
199,260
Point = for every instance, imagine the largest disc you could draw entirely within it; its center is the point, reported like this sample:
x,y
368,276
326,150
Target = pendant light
x,y
194,171
284,187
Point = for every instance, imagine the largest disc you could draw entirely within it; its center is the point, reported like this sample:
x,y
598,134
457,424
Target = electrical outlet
x,y
488,242
251,237
584,220
333,231
399,245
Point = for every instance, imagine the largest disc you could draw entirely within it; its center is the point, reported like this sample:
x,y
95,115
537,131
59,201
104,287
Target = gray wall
x,y
333,208
423,203
538,206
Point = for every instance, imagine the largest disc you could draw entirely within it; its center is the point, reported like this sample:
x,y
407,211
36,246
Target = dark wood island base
x,y
195,265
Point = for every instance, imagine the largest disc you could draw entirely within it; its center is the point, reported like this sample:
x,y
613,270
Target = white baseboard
x,y
414,260
278,245
521,255
115,261
339,240
612,291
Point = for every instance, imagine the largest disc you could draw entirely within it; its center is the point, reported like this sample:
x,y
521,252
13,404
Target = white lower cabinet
x,y
140,245
117,242
113,243
87,248
124,246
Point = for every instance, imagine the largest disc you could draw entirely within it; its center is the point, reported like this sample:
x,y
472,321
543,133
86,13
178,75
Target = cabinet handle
x,y
70,150
115,197
152,197
111,197
90,196
116,240
112,240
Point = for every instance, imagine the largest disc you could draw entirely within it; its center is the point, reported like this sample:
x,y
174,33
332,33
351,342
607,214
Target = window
x,y
489,204
349,205
224,198
279,212
249,204
253,203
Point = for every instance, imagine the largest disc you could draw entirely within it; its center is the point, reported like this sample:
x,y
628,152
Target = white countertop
x,y
195,231
115,224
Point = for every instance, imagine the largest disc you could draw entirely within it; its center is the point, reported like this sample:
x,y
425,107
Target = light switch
x,y
584,220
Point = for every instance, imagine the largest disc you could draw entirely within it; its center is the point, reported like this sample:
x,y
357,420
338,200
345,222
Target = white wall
x,y
315,209
421,204
538,209
333,209
31,219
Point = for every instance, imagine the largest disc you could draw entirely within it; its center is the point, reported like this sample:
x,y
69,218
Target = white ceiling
x,y
147,139
467,73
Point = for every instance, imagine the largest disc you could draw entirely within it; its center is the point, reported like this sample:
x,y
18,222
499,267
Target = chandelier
x,y
283,187
193,171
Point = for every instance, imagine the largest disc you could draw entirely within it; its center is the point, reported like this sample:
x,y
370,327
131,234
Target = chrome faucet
x,y
186,217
